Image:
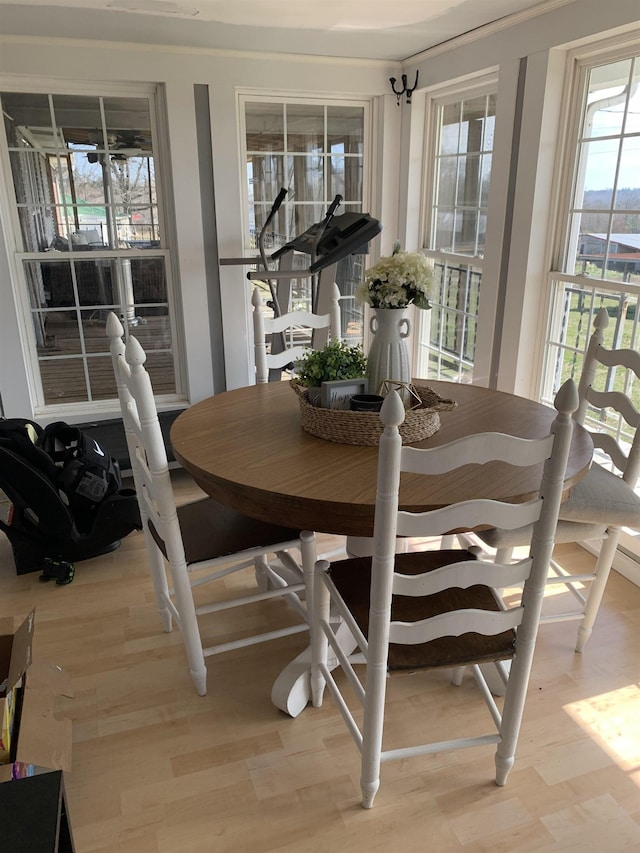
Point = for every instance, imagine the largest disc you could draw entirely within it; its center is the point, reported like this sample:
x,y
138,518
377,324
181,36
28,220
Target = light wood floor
x,y
157,769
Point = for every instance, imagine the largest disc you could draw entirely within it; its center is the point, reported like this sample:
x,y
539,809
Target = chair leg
x,y
457,675
159,581
375,693
189,626
319,642
308,556
372,729
596,592
262,578
515,698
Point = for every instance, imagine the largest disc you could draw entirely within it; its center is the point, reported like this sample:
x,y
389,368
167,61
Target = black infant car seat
x,y
61,496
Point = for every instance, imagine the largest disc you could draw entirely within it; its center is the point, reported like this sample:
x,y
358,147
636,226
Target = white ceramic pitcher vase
x,y
388,356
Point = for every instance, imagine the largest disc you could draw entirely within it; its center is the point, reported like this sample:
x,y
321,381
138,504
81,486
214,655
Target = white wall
x,y
178,70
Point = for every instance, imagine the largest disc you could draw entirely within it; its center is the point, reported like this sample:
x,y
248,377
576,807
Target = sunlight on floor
x,y
612,721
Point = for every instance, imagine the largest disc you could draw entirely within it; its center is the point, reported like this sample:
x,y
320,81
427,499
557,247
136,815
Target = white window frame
x,y
578,63
437,97
96,408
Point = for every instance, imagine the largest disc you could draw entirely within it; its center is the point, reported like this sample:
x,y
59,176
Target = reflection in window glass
x,y
461,173
82,163
605,216
315,151
85,190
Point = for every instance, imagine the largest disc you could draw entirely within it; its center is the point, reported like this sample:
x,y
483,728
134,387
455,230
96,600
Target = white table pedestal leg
x,y
291,691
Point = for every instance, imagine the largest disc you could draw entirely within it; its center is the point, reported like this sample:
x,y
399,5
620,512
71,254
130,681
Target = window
x,y
89,237
460,171
597,256
315,151
599,253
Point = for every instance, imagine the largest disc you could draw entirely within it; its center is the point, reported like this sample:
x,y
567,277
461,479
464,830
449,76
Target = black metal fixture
x,y
405,89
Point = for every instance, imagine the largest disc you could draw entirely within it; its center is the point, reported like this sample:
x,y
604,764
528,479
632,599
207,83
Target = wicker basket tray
x,y
364,428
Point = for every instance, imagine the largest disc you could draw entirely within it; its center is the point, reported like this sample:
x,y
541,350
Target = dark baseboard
x,y
110,436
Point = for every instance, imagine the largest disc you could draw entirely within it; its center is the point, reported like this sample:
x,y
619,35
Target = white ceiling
x,y
373,29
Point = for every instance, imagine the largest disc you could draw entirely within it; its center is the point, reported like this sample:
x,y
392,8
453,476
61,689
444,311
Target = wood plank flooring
x,y
157,769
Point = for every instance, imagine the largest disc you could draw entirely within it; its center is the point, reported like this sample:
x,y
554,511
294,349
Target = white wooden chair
x,y
200,535
439,608
604,501
269,364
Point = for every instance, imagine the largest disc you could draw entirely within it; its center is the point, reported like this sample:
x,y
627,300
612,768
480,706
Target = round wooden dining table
x,y
247,449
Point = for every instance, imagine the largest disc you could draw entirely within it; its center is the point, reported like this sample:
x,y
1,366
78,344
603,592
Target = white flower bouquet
x,y
397,281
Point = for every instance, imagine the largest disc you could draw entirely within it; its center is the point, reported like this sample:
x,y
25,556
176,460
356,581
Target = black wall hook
x,y
405,88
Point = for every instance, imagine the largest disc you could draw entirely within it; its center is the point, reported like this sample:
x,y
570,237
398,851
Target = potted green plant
x,y
337,361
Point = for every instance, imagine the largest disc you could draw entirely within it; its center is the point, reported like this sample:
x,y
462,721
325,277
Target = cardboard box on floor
x,y
43,737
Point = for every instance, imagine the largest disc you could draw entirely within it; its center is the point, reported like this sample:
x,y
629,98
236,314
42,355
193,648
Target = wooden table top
x,y
246,448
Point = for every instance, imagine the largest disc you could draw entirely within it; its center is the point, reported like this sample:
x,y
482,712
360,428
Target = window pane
x,y
149,283
345,129
265,127
485,178
447,181
63,380
128,125
62,333
266,176
336,178
161,371
490,122
599,172
628,184
302,216
76,115
473,117
606,99
465,231
450,129
101,378
444,231
305,178
23,113
305,128
469,181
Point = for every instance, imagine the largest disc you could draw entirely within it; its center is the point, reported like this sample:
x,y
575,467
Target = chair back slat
x,y
454,624
628,358
615,400
294,319
623,452
607,443
467,516
476,449
461,575
280,359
